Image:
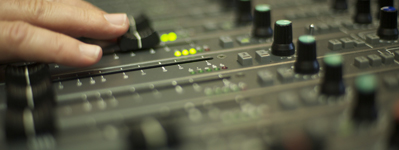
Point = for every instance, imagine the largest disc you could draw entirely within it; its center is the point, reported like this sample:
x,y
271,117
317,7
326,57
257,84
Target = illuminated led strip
x,y
154,133
133,29
28,90
29,124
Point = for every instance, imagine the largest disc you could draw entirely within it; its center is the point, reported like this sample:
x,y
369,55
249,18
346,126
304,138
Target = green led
x,y
172,36
185,52
218,90
193,51
216,69
283,22
201,71
164,38
192,72
177,53
209,70
307,39
262,7
366,83
333,59
200,50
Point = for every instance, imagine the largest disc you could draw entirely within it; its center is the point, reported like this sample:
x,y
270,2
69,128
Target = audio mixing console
x,y
218,75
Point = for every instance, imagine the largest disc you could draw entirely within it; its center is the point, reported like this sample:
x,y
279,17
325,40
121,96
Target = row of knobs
x,y
30,101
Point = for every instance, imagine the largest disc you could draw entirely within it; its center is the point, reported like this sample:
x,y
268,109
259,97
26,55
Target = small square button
x,y
324,28
361,62
359,43
265,77
262,56
348,43
391,82
210,27
226,42
334,45
289,100
375,60
396,55
372,39
285,74
244,59
387,58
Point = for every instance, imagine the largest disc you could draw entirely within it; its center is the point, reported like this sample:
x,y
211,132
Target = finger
x,y
70,20
22,41
78,3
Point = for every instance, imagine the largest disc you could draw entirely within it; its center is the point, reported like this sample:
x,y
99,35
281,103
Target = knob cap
x,y
27,73
20,124
340,5
383,3
365,110
332,84
388,29
244,12
363,12
262,22
306,61
282,44
143,39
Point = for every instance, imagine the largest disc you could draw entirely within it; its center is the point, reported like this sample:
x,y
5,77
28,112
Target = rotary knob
x,y
306,62
332,84
340,5
262,22
363,12
244,12
388,29
282,44
365,109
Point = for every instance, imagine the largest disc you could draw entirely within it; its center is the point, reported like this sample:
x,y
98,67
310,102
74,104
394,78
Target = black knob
x,y
27,73
383,3
282,44
244,12
363,12
152,133
332,84
262,22
388,29
306,61
143,39
20,124
30,96
365,110
340,5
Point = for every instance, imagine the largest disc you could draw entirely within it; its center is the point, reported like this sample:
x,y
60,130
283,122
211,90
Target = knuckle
x,y
18,33
37,8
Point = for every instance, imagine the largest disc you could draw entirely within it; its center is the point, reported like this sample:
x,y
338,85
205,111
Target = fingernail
x,y
92,51
116,19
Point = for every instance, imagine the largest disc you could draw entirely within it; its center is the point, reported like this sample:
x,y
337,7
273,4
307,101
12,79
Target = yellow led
x,y
172,36
177,53
193,51
185,52
164,37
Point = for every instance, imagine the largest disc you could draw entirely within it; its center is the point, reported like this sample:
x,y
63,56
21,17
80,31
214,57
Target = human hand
x,y
43,31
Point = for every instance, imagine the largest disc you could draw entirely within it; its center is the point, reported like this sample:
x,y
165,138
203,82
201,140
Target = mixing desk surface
x,y
218,75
